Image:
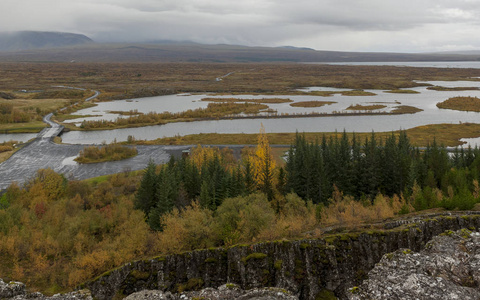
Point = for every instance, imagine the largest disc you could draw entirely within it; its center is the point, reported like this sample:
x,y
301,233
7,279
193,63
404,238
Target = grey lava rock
x,y
224,292
11,289
17,291
447,268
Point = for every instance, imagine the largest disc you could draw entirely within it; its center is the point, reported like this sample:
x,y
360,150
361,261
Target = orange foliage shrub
x,y
347,211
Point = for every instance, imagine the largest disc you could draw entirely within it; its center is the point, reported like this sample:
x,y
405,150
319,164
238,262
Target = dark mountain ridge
x,y
26,40
65,47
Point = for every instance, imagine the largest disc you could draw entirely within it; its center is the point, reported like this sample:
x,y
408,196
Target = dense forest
x,y
56,233
361,170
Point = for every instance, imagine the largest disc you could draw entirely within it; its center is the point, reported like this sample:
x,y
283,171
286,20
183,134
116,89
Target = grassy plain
x,y
33,108
131,80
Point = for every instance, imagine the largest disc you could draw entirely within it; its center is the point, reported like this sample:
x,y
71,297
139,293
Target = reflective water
x,y
19,137
426,100
420,64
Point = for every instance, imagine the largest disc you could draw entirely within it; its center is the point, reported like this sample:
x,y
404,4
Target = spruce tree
x,y
145,198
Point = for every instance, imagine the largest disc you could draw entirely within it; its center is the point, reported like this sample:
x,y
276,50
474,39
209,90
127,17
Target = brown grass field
x,y
126,80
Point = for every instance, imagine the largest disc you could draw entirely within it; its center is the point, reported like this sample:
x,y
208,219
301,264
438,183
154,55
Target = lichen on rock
x,y
447,268
224,292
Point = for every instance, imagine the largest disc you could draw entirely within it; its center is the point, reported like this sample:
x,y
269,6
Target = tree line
x,y
425,178
209,175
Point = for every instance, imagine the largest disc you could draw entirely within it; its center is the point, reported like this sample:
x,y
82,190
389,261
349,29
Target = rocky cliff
x,y
447,268
308,268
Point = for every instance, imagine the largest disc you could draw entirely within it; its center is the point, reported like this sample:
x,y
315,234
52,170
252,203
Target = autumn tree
x,y
264,165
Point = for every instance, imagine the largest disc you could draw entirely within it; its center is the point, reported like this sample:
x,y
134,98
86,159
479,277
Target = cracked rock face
x,y
448,268
224,292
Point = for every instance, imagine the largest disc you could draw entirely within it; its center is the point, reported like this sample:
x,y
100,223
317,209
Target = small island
x,y
236,100
449,89
366,107
461,103
111,152
312,103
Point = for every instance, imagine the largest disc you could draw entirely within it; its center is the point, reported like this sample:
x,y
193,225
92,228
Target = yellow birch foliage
x,y
199,155
264,164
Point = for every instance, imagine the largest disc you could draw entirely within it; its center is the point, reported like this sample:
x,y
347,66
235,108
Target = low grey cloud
x,y
350,25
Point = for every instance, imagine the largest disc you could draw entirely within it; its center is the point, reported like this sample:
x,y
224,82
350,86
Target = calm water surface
x,y
418,64
426,100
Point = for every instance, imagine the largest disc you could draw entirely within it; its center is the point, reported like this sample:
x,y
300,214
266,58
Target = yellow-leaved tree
x,y
264,165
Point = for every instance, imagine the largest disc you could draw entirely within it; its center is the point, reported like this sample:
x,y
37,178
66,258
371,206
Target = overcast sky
x,y
348,25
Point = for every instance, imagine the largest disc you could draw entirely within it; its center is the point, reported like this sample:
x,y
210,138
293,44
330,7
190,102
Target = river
x,y
425,99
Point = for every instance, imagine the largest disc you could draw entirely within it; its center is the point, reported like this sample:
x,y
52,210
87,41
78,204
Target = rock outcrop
x,y
224,292
447,268
17,291
307,268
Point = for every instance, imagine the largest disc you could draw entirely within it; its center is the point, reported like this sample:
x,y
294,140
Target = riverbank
x,y
445,134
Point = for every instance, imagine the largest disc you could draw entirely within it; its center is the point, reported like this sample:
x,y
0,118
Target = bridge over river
x,y
43,153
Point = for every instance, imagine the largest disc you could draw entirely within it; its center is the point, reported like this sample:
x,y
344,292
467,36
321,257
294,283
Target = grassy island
x,y
406,109
461,103
366,107
238,100
112,152
401,91
449,89
213,111
312,103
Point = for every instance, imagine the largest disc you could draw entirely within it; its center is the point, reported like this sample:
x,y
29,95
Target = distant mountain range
x,y
66,47
27,40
